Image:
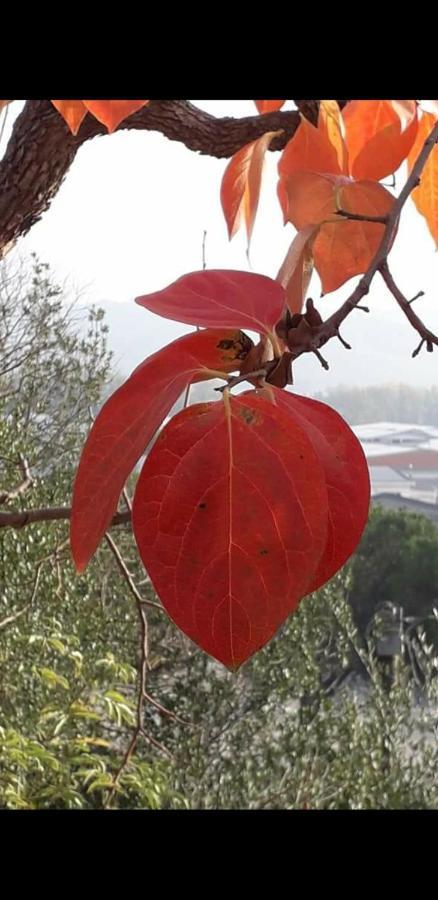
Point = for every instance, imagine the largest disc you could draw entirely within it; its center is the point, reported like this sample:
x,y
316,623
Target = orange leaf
x,y
377,138
73,111
240,189
331,124
309,150
112,112
342,248
4,103
265,106
425,196
296,270
230,518
128,420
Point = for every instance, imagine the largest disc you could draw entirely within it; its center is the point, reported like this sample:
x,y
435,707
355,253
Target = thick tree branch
x,y
41,150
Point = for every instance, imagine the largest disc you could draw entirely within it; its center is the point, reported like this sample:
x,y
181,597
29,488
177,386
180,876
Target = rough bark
x,y
41,149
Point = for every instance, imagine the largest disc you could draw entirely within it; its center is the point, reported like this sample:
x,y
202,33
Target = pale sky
x,y
130,216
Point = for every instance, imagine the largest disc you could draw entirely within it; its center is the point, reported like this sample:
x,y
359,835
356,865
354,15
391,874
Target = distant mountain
x,y
381,354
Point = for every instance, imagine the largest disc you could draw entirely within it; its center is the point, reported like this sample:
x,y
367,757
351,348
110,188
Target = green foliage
x,y
396,563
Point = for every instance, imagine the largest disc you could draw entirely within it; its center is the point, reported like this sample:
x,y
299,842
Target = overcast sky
x,y
130,216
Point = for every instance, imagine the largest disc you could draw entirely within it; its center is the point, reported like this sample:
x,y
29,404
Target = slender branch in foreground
x,y
48,514
142,695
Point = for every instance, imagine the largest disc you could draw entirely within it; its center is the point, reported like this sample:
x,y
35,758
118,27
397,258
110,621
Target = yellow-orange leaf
x,y
342,247
425,196
73,111
112,112
240,189
296,270
378,139
265,106
309,150
331,124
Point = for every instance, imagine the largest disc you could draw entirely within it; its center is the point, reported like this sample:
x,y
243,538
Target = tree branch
x,y
48,514
317,336
427,337
42,149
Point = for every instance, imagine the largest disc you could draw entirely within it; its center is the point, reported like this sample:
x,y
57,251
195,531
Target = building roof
x,y
410,458
396,501
386,432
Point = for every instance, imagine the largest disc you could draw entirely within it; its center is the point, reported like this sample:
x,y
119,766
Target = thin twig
x,y
258,373
427,337
14,616
127,575
356,217
23,486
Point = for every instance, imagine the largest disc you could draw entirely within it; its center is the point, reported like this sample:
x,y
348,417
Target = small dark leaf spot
x,y
301,456
225,345
250,416
202,505
263,552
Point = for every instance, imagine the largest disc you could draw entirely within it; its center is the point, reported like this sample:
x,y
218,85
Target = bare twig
x,y
14,616
427,336
5,496
142,696
417,296
127,575
258,373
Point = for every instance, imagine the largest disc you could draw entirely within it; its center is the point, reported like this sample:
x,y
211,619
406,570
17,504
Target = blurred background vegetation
x,y
338,711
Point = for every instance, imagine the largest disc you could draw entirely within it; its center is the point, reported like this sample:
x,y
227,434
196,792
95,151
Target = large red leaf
x,y
73,111
112,112
128,420
379,136
347,478
265,106
240,188
220,298
230,518
342,247
425,196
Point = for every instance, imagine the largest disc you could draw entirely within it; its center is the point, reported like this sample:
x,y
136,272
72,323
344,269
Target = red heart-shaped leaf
x,y
347,478
128,420
220,298
230,518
